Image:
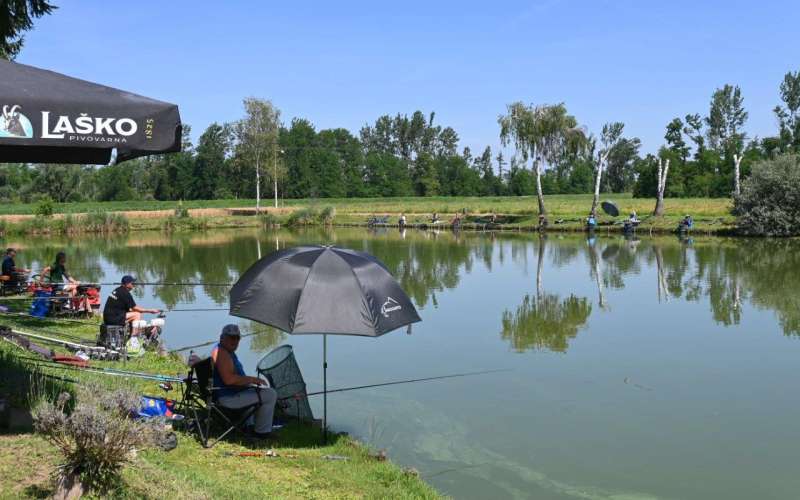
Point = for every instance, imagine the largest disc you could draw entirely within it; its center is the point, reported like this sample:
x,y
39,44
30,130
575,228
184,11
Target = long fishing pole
x,y
105,371
65,343
146,283
396,382
210,342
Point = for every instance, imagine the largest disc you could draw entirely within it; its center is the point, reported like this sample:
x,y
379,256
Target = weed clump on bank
x,y
96,437
303,217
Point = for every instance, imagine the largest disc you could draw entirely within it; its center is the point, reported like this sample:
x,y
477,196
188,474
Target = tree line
x,y
704,155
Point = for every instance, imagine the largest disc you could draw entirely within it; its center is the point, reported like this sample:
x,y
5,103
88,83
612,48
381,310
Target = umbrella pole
x,y
325,388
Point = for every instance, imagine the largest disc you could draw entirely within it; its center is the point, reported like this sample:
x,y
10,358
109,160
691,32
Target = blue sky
x,y
342,64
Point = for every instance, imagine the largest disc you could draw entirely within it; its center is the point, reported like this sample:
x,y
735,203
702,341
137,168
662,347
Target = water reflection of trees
x,y
728,273
545,322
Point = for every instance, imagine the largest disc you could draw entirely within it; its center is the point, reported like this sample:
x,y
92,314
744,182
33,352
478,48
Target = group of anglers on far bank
x,y
495,221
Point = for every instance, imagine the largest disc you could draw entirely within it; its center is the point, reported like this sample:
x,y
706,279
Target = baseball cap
x,y
231,331
128,279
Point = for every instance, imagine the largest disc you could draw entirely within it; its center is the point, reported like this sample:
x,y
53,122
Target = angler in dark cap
x,y
121,308
12,275
237,389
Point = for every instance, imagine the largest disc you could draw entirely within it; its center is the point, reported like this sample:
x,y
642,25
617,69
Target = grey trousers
x,y
263,416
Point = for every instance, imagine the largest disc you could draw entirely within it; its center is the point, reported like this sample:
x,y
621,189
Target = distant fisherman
x,y
11,270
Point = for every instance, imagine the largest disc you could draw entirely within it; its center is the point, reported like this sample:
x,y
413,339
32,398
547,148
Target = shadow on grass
x,y
20,386
39,491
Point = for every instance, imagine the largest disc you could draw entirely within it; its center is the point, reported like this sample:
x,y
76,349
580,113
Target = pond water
x,y
640,368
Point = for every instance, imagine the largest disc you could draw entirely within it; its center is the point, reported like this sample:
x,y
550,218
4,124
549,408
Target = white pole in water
x,y
325,389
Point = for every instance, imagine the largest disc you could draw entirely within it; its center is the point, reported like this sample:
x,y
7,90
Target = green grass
x,y
190,471
710,214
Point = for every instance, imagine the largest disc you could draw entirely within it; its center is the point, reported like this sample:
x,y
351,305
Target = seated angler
x,y
59,277
12,275
236,388
120,307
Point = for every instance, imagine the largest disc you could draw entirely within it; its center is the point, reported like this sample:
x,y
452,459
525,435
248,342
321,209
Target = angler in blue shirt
x,y
238,390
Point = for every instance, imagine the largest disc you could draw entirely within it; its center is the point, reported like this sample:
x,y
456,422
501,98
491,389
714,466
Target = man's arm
x,y
145,310
224,366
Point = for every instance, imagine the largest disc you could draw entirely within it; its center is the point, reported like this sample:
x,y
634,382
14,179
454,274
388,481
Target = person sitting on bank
x,y
120,307
686,223
633,219
591,222
402,221
235,388
10,269
59,277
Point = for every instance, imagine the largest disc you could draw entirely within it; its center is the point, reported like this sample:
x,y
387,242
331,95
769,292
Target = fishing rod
x,y
50,318
143,283
105,371
65,343
396,382
210,342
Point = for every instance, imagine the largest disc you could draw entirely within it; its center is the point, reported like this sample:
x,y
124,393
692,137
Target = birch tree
x,y
258,138
610,137
661,179
725,120
539,133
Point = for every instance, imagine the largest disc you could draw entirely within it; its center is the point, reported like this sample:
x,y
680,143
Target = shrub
x,y
45,207
100,221
97,437
181,212
302,217
769,202
269,220
327,215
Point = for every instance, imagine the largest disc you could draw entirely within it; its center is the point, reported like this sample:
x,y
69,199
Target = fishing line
x,y
345,389
200,310
210,342
141,283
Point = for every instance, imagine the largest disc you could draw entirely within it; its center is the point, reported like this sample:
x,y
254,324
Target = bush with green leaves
x,y
769,202
97,436
45,207
303,217
327,215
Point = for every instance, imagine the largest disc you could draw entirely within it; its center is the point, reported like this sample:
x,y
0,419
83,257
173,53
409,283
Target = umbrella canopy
x,y
322,290
48,117
610,208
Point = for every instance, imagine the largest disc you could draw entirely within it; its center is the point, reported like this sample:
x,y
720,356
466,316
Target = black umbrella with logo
x,y
322,290
48,117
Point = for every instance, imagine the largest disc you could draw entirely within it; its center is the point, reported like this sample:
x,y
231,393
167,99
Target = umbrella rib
x,y
302,290
363,292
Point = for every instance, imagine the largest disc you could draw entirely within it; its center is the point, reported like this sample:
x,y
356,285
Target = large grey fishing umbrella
x,y
48,117
610,208
325,291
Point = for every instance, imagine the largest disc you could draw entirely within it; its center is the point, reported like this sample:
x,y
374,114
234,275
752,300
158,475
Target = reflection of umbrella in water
x,y
48,117
322,290
610,252
610,208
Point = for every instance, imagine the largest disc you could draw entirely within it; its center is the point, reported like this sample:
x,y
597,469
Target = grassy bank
x,y
190,471
565,212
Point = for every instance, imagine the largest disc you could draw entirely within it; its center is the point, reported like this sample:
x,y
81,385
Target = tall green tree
x,y
789,113
725,120
213,149
540,133
16,17
258,135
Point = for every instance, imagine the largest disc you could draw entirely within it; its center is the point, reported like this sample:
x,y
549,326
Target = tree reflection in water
x,y
545,322
730,274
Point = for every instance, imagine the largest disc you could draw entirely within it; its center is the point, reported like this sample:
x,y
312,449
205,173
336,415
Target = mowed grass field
x,y
577,205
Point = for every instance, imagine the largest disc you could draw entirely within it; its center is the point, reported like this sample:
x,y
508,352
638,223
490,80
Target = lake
x,y
639,368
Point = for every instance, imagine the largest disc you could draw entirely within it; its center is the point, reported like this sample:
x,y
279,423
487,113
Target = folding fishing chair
x,y
200,405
